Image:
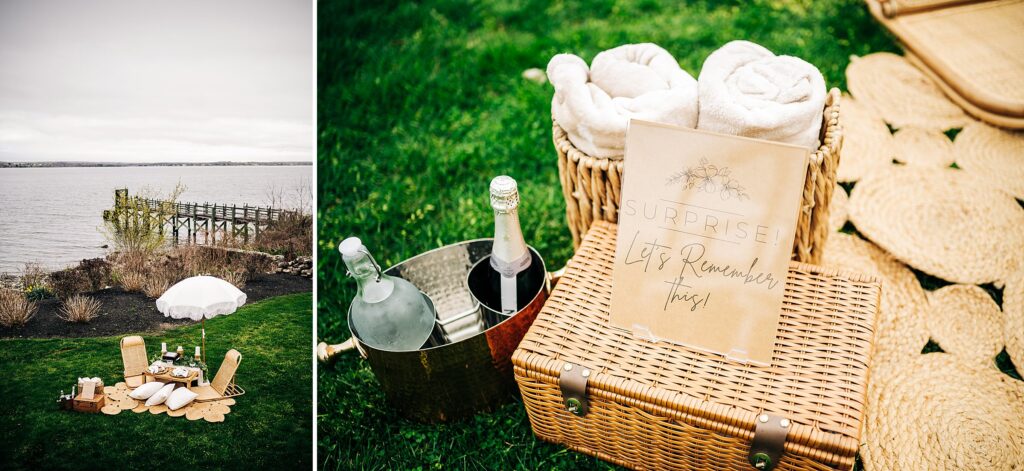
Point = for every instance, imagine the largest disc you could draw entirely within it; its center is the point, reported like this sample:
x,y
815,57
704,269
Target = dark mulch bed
x,y
124,312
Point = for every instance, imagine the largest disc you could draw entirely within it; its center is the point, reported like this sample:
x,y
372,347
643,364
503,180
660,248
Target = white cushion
x,y
160,395
146,391
181,397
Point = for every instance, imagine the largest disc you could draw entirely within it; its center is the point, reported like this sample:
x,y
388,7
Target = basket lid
x,y
817,379
966,46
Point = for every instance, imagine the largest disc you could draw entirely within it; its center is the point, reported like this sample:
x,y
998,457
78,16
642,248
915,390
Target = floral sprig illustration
x,y
709,178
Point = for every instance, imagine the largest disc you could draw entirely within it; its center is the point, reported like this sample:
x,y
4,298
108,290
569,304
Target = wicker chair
x,y
223,385
133,353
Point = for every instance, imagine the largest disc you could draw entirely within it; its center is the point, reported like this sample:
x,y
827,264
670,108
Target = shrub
x,y
290,235
37,293
207,260
252,264
160,278
15,310
155,286
96,271
69,282
163,269
80,308
34,280
132,281
132,260
33,276
235,276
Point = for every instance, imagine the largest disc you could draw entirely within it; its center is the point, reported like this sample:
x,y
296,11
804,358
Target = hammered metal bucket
x,y
469,369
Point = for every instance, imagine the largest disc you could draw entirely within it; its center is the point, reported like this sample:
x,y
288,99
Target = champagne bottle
x,y
388,313
511,278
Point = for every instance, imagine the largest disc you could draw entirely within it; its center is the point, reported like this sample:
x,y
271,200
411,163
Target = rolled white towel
x,y
746,90
594,104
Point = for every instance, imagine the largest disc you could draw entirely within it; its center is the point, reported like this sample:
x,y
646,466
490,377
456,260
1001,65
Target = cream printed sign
x,y
706,230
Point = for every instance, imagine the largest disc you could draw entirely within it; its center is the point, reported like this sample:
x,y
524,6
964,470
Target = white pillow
x,y
181,397
146,391
160,395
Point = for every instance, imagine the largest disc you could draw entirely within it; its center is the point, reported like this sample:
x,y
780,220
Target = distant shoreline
x,y
65,164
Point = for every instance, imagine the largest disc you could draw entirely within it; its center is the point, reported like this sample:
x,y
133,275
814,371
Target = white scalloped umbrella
x,y
200,298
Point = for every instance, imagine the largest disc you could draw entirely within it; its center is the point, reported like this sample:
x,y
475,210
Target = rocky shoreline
x,y
9,281
301,266
125,312
134,309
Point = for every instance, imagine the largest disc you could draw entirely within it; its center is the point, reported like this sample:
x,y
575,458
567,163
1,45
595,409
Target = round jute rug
x,y
1013,316
839,209
941,412
944,222
965,321
118,400
901,331
867,143
916,146
993,154
901,94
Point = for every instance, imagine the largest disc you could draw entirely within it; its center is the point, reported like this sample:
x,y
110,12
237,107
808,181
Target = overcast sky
x,y
181,80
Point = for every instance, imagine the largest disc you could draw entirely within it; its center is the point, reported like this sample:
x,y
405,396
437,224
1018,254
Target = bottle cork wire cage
x,y
592,186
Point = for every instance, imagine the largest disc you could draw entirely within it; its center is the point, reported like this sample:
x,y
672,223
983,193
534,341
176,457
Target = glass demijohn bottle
x,y
387,313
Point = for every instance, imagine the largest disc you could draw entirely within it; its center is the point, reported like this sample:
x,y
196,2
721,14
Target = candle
x,y
163,347
197,350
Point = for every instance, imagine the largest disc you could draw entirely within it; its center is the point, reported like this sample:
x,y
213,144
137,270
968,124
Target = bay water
x,y
54,216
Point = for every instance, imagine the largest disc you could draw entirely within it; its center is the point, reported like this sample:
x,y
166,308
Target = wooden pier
x,y
191,219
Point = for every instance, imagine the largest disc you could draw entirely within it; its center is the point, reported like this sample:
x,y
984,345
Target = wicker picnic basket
x,y
591,186
99,386
601,391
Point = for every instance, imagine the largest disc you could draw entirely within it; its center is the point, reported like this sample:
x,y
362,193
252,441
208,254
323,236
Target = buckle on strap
x,y
769,438
572,381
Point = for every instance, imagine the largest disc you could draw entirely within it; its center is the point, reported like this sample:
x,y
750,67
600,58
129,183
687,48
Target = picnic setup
x,y
171,382
767,272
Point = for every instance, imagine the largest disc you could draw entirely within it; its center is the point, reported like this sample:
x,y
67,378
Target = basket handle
x,y
554,276
328,354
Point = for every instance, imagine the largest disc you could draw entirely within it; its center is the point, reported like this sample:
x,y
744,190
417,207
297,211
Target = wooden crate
x,y
91,406
648,405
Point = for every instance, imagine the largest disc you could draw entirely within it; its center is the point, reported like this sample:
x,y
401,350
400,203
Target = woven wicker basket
x,y
664,406
591,186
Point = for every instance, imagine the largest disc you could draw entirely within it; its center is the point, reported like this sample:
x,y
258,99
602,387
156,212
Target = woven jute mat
x,y
867,143
941,412
118,400
1013,317
944,222
901,331
965,321
838,209
916,146
993,154
901,94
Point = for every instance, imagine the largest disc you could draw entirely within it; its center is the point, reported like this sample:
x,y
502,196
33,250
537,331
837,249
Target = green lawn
x,y
421,104
269,427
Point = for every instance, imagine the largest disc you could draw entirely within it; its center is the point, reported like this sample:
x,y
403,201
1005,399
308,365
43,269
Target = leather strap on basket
x,y
769,437
573,382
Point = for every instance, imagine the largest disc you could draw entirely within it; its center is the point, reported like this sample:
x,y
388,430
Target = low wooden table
x,y
167,378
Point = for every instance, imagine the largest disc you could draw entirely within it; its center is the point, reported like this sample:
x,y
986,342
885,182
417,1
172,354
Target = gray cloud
x,y
188,80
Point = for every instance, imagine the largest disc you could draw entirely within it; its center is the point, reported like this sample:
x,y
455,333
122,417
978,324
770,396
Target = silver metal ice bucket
x,y
473,372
